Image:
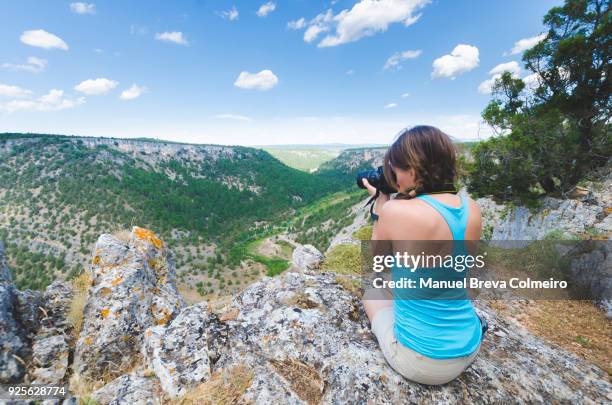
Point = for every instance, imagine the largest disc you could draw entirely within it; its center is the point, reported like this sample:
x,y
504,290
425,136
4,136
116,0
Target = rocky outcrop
x,y
182,353
307,258
300,338
592,271
53,342
132,289
589,212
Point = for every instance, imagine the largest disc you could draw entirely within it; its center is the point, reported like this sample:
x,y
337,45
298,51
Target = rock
x,y
134,389
593,271
18,322
133,288
50,359
569,216
13,342
307,258
307,340
51,344
181,352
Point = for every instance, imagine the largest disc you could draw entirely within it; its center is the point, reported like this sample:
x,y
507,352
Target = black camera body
x,y
376,178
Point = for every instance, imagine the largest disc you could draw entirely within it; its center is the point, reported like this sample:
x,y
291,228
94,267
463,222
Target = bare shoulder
x,y
402,209
404,220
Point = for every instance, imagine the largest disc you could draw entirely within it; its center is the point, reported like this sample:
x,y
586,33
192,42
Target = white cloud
x,y
233,117
43,39
83,8
395,60
317,25
264,80
522,45
462,59
266,9
94,87
366,18
53,101
390,105
134,91
13,91
404,95
33,65
296,24
513,67
231,14
175,36
350,72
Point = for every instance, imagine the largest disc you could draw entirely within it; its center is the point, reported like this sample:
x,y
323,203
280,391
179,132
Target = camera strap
x,y
373,216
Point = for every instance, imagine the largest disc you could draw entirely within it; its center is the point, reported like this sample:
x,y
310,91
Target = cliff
x,y
300,338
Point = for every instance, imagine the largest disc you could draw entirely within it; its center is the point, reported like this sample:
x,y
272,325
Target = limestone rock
x,y
181,352
134,389
13,342
593,271
592,213
133,288
307,340
51,344
307,258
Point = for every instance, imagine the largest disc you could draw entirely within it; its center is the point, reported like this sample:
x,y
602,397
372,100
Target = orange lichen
x,y
105,312
88,340
148,333
117,281
145,234
162,315
96,260
105,291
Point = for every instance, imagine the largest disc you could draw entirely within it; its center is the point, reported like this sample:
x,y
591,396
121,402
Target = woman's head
x,y
420,157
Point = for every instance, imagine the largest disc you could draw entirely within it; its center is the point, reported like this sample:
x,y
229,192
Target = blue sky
x,y
254,72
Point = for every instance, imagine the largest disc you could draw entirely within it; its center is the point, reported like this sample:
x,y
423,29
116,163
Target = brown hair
x,y
427,150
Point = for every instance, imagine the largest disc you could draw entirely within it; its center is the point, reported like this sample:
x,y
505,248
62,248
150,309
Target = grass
x,y
364,233
224,388
304,380
343,259
577,326
80,286
275,265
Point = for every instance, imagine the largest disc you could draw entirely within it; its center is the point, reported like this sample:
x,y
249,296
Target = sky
x,y
259,72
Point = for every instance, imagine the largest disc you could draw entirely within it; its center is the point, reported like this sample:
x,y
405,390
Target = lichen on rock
x,y
115,309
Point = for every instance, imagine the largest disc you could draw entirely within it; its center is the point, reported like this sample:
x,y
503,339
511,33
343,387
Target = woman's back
x,y
436,327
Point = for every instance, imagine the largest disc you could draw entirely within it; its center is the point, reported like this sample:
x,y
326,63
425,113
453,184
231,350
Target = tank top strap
x,y
455,217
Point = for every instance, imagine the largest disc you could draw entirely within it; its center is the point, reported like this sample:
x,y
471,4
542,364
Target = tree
x,y
553,128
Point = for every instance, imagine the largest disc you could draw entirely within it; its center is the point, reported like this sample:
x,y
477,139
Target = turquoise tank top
x,y
438,328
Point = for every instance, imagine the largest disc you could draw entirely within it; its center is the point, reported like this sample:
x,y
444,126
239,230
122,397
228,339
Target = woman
x,y
427,341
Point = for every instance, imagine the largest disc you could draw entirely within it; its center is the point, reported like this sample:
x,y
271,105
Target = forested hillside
x,y
57,194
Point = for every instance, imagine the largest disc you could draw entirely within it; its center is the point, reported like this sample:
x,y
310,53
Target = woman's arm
x,y
377,232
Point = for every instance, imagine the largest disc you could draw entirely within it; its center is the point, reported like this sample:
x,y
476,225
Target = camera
x,y
376,178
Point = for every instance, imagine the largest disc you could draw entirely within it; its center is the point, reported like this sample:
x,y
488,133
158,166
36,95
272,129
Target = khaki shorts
x,y
410,364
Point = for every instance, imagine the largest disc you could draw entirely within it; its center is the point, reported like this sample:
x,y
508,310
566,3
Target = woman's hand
x,y
382,198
